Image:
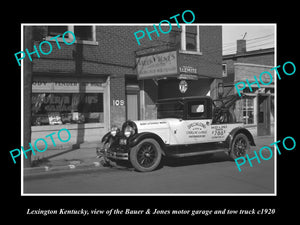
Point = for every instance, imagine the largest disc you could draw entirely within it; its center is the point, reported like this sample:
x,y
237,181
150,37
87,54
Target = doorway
x,y
132,107
263,115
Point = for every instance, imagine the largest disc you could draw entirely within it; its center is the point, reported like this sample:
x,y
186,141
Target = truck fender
x,y
236,131
137,138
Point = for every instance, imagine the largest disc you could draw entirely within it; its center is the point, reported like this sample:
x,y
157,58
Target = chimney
x,y
240,46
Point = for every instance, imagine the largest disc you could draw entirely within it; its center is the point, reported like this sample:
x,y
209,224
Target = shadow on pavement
x,y
196,160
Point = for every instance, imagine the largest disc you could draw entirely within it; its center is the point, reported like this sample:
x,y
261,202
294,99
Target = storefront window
x,y
248,111
66,108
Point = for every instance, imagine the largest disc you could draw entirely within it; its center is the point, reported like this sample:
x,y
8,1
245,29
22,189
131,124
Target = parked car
x,y
185,127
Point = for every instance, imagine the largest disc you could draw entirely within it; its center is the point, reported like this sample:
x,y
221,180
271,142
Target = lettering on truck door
x,y
196,131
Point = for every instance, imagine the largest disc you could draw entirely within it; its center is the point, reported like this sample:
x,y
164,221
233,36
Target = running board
x,y
187,154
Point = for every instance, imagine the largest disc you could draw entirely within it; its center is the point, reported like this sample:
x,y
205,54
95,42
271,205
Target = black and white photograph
x,y
154,116
150,109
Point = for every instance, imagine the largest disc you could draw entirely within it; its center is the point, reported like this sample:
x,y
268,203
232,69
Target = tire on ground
x,y
240,146
146,155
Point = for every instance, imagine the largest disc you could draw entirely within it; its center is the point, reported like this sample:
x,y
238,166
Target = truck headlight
x,y
128,131
114,131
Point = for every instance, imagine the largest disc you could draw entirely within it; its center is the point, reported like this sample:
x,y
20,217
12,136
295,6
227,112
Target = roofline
x,y
248,53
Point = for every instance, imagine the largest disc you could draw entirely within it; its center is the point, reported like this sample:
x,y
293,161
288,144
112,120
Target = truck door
x,y
196,127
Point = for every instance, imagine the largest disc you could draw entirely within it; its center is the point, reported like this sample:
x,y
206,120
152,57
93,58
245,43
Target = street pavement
x,y
195,175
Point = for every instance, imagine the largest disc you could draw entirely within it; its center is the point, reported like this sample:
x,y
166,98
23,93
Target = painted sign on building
x,y
157,65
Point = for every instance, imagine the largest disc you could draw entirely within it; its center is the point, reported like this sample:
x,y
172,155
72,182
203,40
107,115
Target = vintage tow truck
x,y
186,126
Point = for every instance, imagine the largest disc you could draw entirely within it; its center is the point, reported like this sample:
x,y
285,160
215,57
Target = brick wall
x,y
260,59
117,111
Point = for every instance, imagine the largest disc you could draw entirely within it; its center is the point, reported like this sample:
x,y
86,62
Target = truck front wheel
x,y
146,155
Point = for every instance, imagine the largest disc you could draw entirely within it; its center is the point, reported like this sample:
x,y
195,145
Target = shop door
x,y
263,115
132,106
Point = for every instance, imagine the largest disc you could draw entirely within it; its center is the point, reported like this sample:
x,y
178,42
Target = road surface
x,y
216,175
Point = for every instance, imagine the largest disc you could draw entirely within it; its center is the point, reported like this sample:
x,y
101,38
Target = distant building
x,y
256,110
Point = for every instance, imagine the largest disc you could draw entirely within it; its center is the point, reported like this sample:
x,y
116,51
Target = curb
x,y
46,170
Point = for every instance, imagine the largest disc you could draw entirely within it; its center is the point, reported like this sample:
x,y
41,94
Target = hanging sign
x,y
183,86
157,65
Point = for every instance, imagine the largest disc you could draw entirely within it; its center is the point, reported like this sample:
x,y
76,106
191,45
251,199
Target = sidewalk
x,y
84,157
67,159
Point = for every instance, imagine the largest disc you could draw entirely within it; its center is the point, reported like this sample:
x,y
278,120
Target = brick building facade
x,y
256,109
93,84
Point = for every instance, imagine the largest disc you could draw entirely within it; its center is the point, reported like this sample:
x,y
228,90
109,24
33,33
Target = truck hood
x,y
148,125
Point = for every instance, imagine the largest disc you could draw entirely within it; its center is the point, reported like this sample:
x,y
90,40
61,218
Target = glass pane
x,y
83,32
63,108
175,38
56,30
201,106
197,108
191,43
170,110
250,102
250,117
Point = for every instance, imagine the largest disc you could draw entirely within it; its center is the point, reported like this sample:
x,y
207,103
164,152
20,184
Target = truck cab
x,y
195,122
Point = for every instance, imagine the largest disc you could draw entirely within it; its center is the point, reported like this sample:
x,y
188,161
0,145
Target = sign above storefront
x,y
188,77
187,69
187,73
157,65
42,85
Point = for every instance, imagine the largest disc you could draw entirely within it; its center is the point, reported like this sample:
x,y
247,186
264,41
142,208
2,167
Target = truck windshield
x,y
170,110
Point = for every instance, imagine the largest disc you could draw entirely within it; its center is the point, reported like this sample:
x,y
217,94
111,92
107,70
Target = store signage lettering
x,y
141,33
23,54
66,84
187,69
157,65
289,148
187,77
58,103
45,86
187,73
263,77
18,152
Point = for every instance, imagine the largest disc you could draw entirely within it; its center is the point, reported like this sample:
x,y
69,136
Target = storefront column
x,y
117,98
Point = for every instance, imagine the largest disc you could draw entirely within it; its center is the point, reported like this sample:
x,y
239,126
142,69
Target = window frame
x,y
193,116
79,111
183,41
70,39
246,100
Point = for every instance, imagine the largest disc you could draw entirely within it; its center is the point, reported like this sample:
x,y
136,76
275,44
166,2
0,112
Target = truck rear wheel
x,y
146,155
240,146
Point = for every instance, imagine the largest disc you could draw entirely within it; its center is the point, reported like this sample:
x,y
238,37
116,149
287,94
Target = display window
x,y
66,108
248,110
